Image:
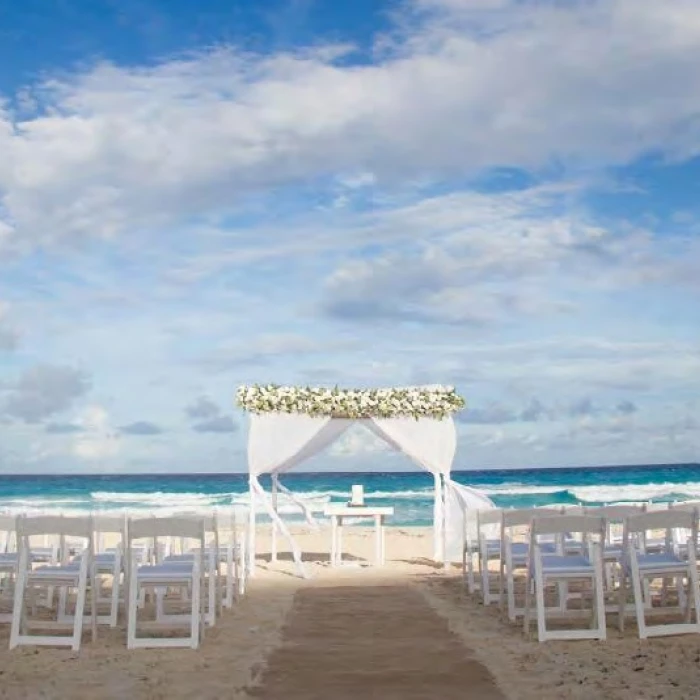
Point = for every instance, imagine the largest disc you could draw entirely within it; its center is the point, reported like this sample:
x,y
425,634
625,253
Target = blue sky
x,y
496,194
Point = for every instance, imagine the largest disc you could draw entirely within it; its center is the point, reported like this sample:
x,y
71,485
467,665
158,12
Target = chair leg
x,y
231,570
485,583
471,583
528,603
132,606
242,567
211,591
79,611
510,584
62,603
464,565
160,603
694,592
639,601
116,586
622,601
599,588
93,607
18,606
196,617
539,595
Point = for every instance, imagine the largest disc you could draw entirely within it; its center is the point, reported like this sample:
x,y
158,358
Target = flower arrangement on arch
x,y
416,402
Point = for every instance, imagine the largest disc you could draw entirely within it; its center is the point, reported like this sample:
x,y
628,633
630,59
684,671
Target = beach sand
x,y
405,630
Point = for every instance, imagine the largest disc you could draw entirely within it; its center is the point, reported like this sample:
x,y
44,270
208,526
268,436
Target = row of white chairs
x,y
606,547
45,560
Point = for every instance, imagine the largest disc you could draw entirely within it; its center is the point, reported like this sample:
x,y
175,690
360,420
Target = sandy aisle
x,y
342,642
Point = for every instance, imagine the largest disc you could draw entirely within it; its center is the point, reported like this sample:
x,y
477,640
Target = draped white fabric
x,y
429,442
277,442
458,500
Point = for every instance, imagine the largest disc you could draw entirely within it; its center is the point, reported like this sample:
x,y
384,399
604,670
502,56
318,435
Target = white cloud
x,y
471,258
8,335
43,391
459,89
98,440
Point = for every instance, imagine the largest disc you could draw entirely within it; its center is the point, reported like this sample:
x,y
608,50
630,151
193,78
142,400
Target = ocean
x,y
409,492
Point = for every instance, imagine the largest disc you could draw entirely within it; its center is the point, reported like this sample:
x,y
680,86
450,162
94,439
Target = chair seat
x,y
661,562
39,554
612,552
179,561
9,559
655,544
520,551
558,564
69,573
105,562
165,573
493,547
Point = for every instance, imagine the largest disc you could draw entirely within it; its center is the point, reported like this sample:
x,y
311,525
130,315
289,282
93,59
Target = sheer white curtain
x,y
276,443
459,499
431,444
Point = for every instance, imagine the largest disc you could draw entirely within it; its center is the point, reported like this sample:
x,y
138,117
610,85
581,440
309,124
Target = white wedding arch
x,y
291,424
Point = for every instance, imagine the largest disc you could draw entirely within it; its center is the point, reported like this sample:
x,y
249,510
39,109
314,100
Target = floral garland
x,y
417,402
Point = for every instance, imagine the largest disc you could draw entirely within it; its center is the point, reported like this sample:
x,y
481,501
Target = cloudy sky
x,y
502,195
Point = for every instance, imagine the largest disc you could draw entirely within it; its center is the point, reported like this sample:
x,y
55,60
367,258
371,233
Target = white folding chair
x,y
489,532
680,536
9,560
185,575
67,575
211,566
231,553
613,549
642,566
470,548
546,568
109,562
515,555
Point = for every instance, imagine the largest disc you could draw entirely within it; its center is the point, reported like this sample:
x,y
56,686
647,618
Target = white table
x,y
340,511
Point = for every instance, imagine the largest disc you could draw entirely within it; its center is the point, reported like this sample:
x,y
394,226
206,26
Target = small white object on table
x,y
340,511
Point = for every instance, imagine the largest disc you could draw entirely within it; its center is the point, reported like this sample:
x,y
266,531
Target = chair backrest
x,y
8,532
671,522
488,523
662,520
524,516
564,524
114,524
616,512
653,507
8,523
171,526
231,524
573,509
208,518
491,516
685,505
31,526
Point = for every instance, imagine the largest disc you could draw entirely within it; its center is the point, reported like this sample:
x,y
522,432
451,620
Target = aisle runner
x,y
370,642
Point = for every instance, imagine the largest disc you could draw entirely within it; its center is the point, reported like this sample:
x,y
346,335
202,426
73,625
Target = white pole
x,y
438,520
273,549
251,528
444,522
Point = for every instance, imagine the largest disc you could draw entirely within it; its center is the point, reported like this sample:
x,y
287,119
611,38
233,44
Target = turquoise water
x,y
409,492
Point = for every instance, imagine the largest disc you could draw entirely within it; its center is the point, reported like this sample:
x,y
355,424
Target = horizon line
x,y
418,469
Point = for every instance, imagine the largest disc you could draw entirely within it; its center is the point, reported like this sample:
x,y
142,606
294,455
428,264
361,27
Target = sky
x,y
500,195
